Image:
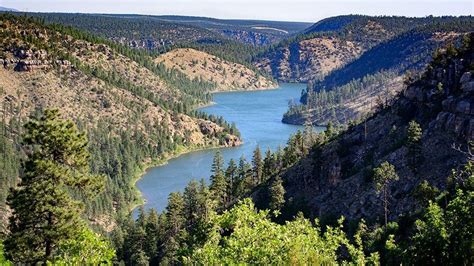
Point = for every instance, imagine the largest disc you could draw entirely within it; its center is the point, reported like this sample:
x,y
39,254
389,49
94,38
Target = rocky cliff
x,y
336,178
359,87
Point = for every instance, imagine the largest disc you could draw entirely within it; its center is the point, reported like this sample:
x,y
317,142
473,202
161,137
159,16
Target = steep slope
x,y
308,59
327,45
334,42
227,75
336,178
376,75
115,94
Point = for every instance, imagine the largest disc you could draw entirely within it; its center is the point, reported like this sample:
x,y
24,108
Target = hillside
x,y
115,94
376,75
7,9
324,47
336,178
334,42
395,189
202,66
161,32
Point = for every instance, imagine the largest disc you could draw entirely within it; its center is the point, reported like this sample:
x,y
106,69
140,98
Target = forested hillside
x,y
135,112
359,87
334,42
406,198
82,116
159,33
426,134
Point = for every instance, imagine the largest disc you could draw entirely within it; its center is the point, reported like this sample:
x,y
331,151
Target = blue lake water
x,y
257,115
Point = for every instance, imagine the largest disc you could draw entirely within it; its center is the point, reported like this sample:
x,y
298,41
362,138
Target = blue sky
x,y
289,10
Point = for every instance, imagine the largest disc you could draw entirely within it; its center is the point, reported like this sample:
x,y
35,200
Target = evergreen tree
x,y
242,174
329,130
383,176
174,229
139,259
219,185
231,177
257,164
268,164
141,221
152,234
290,152
414,134
198,209
277,194
45,213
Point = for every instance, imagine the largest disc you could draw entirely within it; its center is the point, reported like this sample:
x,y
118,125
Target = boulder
x,y
207,128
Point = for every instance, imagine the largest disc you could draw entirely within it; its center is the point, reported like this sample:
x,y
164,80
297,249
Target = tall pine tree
x,y
44,211
218,186
257,164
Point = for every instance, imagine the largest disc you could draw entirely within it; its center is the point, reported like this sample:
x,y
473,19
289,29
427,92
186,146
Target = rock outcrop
x,y
336,179
226,75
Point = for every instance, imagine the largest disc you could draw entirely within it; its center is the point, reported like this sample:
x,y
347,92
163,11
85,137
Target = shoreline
x,y
157,163
178,152
277,85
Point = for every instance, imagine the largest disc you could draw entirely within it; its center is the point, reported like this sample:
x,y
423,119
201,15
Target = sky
x,y
285,10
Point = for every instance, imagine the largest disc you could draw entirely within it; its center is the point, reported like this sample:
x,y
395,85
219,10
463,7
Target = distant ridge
x,y
7,9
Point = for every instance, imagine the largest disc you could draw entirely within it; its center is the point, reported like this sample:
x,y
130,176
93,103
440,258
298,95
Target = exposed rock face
x,y
250,37
211,129
226,75
309,59
29,60
336,179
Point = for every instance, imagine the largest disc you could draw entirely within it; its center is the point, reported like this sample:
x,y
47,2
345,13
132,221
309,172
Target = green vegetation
x,y
444,234
328,105
255,239
245,216
277,194
414,134
46,218
119,154
383,176
405,44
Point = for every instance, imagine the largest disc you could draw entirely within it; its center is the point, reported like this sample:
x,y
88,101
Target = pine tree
x,y
290,152
277,194
44,212
383,176
152,234
268,164
141,220
257,164
245,177
197,212
218,186
414,134
174,229
231,177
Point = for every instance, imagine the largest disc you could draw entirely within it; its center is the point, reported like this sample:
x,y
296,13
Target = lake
x,y
257,115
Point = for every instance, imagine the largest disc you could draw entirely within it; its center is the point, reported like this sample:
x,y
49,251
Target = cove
x,y
257,115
